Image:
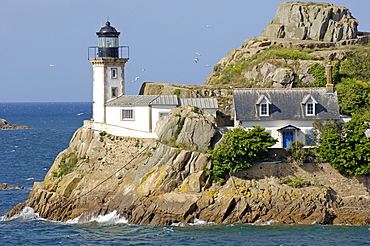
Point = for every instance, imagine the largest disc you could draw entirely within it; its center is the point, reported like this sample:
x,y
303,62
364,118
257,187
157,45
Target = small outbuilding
x,y
141,112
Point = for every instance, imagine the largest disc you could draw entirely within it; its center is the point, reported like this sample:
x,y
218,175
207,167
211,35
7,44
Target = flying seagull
x,y
135,80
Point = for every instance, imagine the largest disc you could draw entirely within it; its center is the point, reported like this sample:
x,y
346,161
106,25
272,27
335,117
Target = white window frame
x,y
309,101
308,109
127,114
263,104
264,109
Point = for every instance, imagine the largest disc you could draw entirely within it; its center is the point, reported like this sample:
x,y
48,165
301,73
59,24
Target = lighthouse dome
x,y
108,31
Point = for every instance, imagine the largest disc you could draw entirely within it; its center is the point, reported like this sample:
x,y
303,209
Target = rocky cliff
x,y
312,21
166,181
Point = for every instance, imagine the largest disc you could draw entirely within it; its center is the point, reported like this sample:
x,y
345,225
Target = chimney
x,y
329,79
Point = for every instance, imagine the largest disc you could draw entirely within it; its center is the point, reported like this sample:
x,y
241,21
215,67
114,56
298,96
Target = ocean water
x,y
26,155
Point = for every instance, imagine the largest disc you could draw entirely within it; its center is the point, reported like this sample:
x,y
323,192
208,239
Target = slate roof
x,y
143,100
204,103
286,104
168,100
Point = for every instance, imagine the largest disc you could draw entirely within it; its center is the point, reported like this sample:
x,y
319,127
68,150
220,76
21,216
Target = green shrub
x,y
66,165
354,97
238,150
233,72
318,72
299,154
345,146
177,92
295,182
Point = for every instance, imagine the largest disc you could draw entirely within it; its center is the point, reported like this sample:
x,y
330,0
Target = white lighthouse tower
x,y
108,60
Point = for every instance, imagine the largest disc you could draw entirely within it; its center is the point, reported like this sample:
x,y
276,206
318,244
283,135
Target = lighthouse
x,y
108,60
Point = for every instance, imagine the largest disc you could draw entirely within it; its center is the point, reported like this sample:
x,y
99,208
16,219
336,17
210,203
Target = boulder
x,y
188,126
313,21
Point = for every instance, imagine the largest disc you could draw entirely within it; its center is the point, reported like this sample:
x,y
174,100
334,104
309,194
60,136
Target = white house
x,y
141,112
287,114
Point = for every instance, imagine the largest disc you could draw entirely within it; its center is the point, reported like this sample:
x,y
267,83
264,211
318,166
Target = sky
x,y
44,43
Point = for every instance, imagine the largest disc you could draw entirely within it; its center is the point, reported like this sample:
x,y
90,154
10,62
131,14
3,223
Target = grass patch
x,y
66,165
295,182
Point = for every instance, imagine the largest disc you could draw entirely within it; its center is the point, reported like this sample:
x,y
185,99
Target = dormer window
x,y
310,109
264,109
263,104
310,105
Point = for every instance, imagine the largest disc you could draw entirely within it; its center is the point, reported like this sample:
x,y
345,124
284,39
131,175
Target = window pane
x,y
114,91
309,137
310,109
127,114
263,108
114,73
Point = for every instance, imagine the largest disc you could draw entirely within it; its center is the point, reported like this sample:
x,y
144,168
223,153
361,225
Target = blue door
x,y
287,138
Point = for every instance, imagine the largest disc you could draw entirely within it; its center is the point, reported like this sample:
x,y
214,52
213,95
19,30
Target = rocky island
x,y
4,125
166,180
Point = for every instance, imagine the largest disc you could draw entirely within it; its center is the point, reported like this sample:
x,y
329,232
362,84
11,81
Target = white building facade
x,y
287,114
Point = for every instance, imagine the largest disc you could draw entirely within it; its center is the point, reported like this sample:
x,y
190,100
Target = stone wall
x,y
117,130
321,173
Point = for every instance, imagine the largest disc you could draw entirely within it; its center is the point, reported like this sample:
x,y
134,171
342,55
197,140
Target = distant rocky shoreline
x,y
5,186
4,125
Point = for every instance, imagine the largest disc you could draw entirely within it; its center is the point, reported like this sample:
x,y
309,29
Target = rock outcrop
x,y
164,182
313,21
4,125
184,126
320,30
5,186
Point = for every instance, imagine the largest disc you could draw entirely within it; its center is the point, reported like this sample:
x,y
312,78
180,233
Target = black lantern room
x,y
108,41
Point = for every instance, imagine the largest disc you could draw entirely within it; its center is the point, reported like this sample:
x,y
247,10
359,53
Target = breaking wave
x,y
108,219
27,214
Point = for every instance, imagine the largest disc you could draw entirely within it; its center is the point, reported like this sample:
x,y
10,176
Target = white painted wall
x,y
114,82
140,122
273,126
98,113
103,83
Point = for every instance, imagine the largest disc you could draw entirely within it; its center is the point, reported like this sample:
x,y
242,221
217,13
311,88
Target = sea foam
x,y
27,214
108,219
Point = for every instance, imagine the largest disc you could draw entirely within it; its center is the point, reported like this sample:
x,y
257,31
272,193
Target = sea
x,y
27,154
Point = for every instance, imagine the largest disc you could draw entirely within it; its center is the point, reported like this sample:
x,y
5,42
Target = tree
x,y
345,146
354,97
238,150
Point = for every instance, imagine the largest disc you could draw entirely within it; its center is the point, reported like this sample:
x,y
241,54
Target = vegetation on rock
x,y
67,165
233,73
238,150
299,154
